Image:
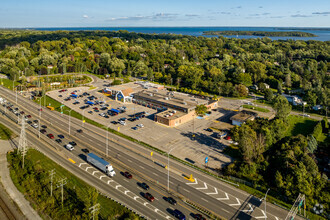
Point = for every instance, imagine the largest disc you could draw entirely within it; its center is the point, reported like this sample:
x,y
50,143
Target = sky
x,y
159,13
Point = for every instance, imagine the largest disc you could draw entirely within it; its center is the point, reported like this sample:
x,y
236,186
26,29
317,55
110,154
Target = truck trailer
x,y
101,164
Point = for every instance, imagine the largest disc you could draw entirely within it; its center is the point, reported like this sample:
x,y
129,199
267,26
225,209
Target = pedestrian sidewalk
x,y
11,189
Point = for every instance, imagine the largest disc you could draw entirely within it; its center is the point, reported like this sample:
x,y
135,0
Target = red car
x,y
199,217
40,109
29,116
149,197
51,136
128,175
22,113
228,138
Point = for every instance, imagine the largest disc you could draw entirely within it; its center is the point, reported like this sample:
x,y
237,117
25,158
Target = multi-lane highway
x,y
216,196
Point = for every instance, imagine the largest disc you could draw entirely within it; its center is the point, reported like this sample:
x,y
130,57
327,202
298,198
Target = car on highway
x,y
51,136
85,150
144,186
80,131
43,131
149,197
35,125
199,217
73,143
35,121
40,109
128,175
58,141
170,200
43,126
60,136
69,147
179,215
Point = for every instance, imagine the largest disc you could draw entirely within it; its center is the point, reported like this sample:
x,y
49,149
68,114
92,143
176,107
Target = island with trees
x,y
262,33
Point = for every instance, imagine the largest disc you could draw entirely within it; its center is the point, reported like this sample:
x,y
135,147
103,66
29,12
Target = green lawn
x,y
5,133
75,186
8,83
256,108
300,125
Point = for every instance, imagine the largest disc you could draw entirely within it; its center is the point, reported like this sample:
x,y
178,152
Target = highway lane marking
x,y
226,198
126,180
224,210
213,193
110,181
204,200
88,168
96,171
276,218
264,215
82,164
126,191
155,174
145,204
102,176
142,167
205,187
118,186
234,204
186,190
194,183
250,210
135,197
129,160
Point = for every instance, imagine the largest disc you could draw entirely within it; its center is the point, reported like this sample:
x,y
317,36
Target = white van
x,y
69,147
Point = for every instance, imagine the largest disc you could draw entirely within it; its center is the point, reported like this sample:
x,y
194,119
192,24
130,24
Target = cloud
x,y
300,16
85,16
239,7
192,15
277,16
225,13
261,7
157,16
321,13
257,15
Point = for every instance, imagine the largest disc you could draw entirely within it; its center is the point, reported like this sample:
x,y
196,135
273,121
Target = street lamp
x,y
107,142
82,123
40,109
265,201
168,169
69,119
39,128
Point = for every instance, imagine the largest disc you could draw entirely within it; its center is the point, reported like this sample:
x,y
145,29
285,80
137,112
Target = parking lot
x,y
191,141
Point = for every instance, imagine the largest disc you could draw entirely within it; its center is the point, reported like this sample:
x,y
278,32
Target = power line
x,y
94,209
61,183
22,144
300,201
51,174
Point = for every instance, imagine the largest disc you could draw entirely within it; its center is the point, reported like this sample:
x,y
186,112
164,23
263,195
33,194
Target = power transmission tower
x,y
51,174
61,183
94,209
300,201
22,144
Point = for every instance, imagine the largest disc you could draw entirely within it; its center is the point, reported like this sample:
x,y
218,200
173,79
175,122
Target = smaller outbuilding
x,y
242,117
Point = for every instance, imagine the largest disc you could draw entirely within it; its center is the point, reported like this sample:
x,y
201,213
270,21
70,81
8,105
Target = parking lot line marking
x,y
204,200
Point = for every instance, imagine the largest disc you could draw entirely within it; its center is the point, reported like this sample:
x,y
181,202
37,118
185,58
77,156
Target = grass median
x,y
256,108
5,133
34,182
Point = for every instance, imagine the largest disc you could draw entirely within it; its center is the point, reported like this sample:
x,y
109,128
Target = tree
x,y
247,143
317,130
241,90
281,107
201,110
257,70
269,95
117,66
279,179
244,78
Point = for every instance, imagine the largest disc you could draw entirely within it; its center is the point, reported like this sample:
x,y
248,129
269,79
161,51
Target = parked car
x,y
58,141
43,131
43,126
51,136
134,128
35,125
209,130
122,122
85,150
73,143
149,197
114,122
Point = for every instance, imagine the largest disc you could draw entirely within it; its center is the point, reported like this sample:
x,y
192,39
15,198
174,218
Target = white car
x,y
34,126
140,125
305,115
122,122
69,147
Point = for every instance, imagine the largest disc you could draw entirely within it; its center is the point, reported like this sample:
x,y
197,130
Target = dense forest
x,y
197,64
262,33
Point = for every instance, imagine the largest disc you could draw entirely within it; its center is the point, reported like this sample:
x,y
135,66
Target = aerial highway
x,y
207,192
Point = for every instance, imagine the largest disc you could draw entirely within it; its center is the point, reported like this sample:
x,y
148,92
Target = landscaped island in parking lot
x,y
262,33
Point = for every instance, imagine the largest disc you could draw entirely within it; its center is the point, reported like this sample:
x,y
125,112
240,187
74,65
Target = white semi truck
x,y
103,165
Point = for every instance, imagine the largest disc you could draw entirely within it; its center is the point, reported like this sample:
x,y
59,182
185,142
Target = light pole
x,y
82,123
39,129
69,119
265,201
107,142
40,109
168,169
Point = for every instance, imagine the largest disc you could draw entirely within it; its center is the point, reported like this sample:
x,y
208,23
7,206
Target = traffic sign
x,y
206,159
151,153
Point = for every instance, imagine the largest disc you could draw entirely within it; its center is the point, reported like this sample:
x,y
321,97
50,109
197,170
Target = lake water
x,y
323,35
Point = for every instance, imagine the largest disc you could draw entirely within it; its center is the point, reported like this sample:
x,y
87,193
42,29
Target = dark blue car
x,y
179,215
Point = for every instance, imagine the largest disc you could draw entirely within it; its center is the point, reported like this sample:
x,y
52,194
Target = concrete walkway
x,y
11,189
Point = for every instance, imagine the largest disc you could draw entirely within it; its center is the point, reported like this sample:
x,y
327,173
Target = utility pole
x,y
94,209
61,183
300,201
22,144
265,198
51,174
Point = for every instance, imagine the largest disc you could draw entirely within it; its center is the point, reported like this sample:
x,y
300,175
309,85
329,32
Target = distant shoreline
x,y
262,33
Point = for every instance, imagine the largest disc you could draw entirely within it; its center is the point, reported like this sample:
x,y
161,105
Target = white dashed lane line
x,y
141,167
204,200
